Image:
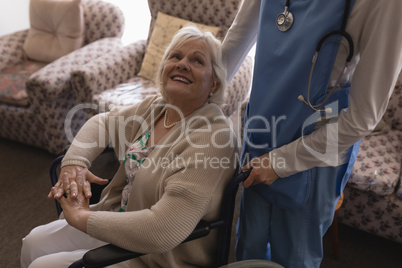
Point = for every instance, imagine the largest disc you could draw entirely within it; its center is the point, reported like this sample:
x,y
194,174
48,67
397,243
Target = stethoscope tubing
x,y
345,35
320,43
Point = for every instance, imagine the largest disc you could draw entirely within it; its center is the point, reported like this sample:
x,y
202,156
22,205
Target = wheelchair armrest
x,y
107,255
111,254
202,229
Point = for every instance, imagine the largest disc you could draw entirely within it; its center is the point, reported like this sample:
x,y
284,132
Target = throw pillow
x,y
57,28
12,82
165,28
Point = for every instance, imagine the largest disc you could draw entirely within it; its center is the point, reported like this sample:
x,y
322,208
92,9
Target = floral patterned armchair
x,y
373,195
41,94
113,78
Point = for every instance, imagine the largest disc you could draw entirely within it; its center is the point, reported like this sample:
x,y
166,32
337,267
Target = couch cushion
x,y
55,78
57,28
378,164
369,212
210,12
133,91
12,82
102,19
165,28
399,191
393,114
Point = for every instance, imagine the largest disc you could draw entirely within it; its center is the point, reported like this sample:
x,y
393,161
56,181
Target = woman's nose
x,y
183,65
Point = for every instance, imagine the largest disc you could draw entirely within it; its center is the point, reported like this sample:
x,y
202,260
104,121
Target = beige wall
x,y
14,16
136,14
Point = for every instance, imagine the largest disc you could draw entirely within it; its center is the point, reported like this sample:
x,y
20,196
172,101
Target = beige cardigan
x,y
180,183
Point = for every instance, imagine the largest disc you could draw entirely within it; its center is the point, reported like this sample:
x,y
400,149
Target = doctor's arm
x,y
241,36
377,40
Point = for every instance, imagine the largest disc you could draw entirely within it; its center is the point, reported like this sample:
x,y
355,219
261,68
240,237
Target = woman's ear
x,y
215,85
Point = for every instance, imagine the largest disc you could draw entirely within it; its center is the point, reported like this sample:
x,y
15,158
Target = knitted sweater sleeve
x,y
188,186
100,131
89,142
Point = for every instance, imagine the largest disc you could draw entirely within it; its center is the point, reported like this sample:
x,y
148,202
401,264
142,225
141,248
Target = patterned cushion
x,y
209,12
102,19
238,88
12,82
11,49
133,91
107,71
379,215
393,115
138,88
378,164
399,191
57,28
50,81
165,28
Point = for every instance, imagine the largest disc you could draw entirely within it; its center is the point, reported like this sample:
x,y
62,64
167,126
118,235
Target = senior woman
x,y
177,153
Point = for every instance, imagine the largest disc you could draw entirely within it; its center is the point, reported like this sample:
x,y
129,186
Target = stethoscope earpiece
x,y
327,110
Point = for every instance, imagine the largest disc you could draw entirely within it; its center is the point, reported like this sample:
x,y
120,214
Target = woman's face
x,y
187,75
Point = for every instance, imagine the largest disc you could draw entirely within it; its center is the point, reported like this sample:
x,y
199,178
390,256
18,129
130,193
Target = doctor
x,y
324,71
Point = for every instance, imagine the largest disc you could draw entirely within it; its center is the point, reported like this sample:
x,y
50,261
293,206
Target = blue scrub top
x,y
275,116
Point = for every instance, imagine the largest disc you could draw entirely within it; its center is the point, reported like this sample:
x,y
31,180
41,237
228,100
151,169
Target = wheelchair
x,y
111,254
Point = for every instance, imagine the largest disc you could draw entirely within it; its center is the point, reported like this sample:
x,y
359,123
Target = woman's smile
x,y
180,78
187,75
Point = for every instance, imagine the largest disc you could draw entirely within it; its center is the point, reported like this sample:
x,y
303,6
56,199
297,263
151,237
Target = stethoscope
x,y
285,20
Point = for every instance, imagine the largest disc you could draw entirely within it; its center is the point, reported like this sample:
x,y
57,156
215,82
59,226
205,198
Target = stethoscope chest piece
x,y
284,20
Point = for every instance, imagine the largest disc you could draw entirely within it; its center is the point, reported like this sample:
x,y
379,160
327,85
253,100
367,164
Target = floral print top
x,y
134,157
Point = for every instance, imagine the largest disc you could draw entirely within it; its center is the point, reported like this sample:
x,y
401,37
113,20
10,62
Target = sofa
x,y
38,118
62,95
373,195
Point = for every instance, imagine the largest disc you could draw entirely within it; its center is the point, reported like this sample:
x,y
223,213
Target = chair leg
x,y
334,236
334,230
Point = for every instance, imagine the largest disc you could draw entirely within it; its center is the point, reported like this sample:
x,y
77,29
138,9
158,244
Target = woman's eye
x,y
175,56
198,61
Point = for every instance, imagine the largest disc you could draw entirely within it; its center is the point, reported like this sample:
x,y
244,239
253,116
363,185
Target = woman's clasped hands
x,y
73,191
75,179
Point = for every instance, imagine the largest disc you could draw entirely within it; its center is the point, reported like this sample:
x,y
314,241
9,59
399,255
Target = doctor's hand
x,y
73,179
262,172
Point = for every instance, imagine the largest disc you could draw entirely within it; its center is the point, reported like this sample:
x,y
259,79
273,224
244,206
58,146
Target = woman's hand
x,y
73,179
262,172
76,210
